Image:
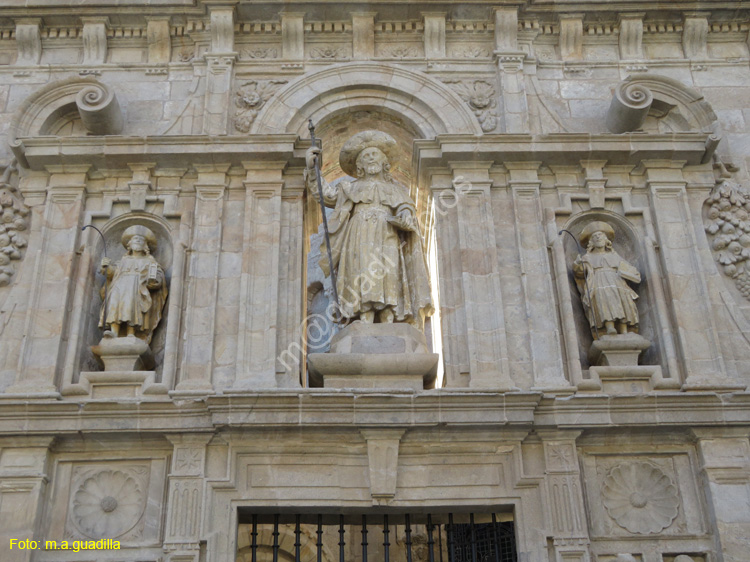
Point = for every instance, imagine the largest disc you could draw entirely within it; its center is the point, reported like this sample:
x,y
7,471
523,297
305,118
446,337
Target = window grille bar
x,y
494,536
342,543
386,543
473,538
276,538
319,543
451,538
254,534
440,541
364,538
430,539
408,538
297,542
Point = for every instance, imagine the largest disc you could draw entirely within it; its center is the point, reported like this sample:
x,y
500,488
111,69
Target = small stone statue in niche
x,y
134,297
602,277
136,289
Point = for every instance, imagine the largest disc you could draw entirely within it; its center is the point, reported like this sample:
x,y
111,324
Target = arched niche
x,y
71,107
629,244
112,231
429,106
676,107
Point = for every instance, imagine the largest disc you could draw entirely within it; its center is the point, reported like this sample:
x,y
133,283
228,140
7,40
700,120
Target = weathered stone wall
x,y
190,117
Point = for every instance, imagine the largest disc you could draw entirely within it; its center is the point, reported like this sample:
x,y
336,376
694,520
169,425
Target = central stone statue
x,y
375,237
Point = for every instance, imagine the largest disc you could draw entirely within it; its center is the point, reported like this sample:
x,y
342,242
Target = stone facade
x,y
515,122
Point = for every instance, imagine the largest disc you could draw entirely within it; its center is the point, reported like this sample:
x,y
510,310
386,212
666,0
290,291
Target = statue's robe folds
x,y
129,300
604,291
378,264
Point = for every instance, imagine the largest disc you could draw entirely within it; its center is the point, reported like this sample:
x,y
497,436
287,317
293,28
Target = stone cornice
x,y
313,409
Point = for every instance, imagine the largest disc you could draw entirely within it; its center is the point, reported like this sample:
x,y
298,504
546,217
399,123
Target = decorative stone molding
x,y
99,109
14,221
44,109
382,453
94,39
259,53
629,107
481,97
640,497
431,105
28,41
728,229
250,99
329,52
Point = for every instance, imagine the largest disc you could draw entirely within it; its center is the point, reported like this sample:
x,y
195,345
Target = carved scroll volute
x,y
99,110
629,107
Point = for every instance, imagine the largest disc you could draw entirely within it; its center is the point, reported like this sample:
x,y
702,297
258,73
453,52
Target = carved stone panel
x,y
642,495
120,500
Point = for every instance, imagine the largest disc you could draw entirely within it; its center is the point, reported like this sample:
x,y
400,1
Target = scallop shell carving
x,y
640,497
108,504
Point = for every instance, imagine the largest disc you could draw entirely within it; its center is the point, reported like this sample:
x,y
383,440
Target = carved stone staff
x,y
106,267
323,211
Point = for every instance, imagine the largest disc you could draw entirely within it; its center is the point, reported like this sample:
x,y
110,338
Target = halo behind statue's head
x,y
597,226
139,230
351,149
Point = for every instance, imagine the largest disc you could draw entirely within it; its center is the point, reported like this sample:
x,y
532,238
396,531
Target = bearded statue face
x,y
137,244
371,161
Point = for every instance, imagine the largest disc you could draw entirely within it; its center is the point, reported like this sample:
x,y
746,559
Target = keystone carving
x,y
250,99
480,95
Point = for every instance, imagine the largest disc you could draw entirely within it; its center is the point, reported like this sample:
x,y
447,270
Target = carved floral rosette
x,y
640,497
250,99
108,504
728,229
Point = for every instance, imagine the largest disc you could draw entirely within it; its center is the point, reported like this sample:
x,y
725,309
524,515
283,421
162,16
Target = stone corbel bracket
x,y
629,108
382,454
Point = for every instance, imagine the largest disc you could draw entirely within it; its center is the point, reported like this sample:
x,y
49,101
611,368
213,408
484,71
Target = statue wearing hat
x,y
376,242
601,276
135,288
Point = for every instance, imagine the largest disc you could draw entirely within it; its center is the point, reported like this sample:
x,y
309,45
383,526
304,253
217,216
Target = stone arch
x,y
45,111
676,105
429,106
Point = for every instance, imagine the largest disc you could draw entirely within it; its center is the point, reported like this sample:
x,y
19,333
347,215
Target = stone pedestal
x,y
124,354
615,368
376,356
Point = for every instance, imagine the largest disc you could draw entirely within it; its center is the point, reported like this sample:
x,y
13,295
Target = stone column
x,y
631,35
536,279
259,284
697,338
571,36
725,458
434,35
159,40
28,41
695,35
291,308
185,502
24,464
200,316
510,66
95,39
564,497
480,267
220,61
452,310
41,358
363,35
293,36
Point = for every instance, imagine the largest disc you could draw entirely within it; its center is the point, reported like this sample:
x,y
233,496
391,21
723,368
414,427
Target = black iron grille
x,y
395,537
